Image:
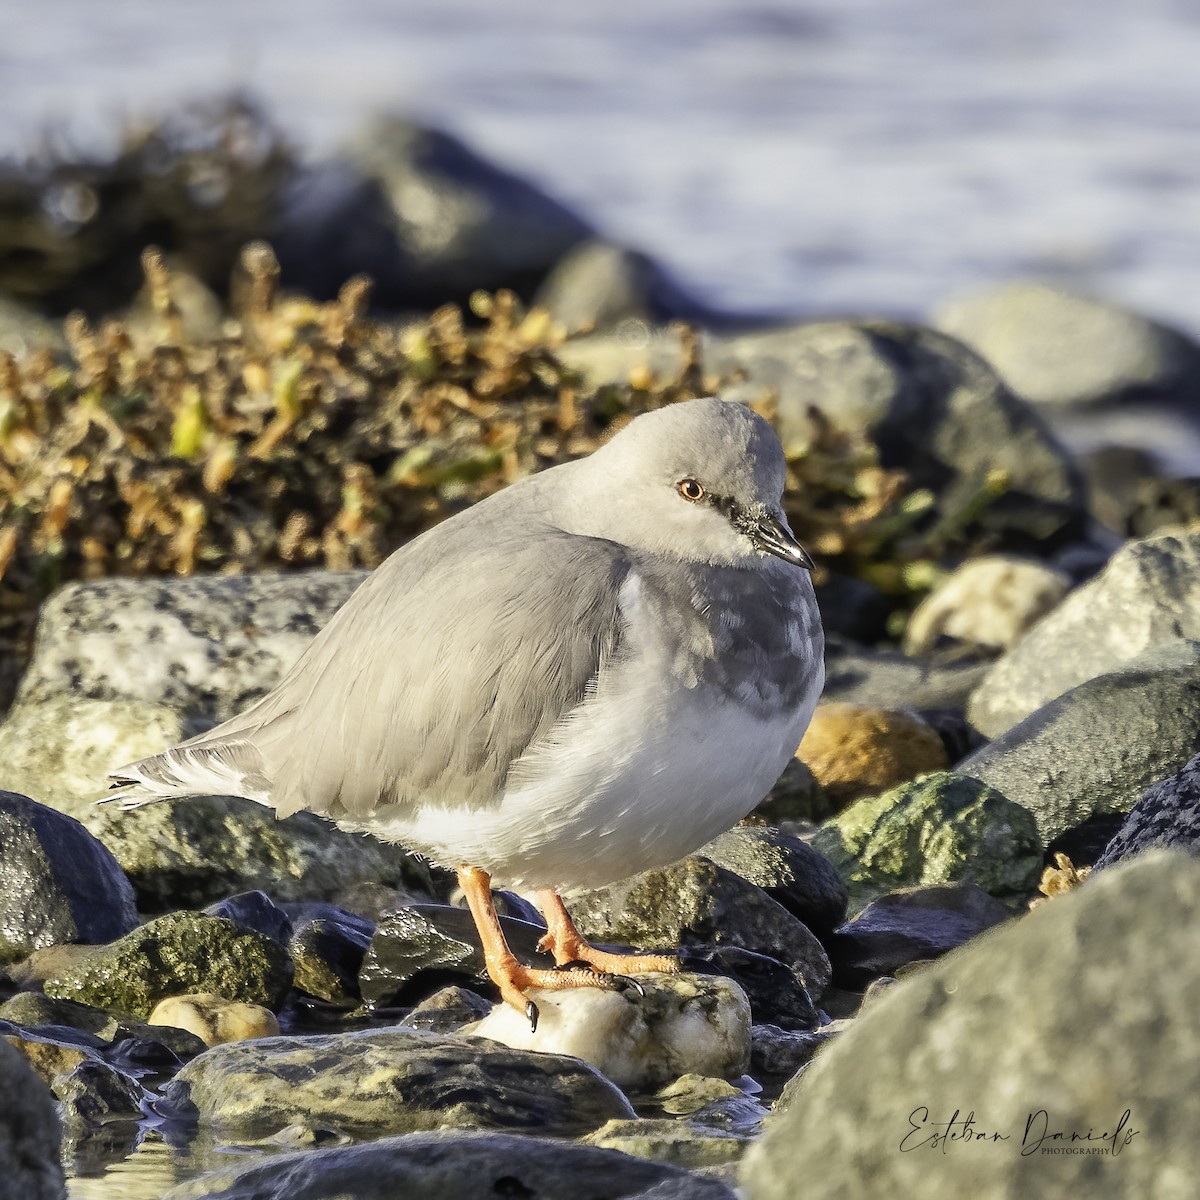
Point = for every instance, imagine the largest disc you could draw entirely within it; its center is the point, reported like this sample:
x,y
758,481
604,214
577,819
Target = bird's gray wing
x,y
451,659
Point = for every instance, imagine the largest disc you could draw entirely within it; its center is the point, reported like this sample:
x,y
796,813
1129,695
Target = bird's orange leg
x,y
568,945
513,978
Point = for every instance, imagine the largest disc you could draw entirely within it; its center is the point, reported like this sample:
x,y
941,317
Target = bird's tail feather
x,y
200,768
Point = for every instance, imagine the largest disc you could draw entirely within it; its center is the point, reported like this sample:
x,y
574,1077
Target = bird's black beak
x,y
770,535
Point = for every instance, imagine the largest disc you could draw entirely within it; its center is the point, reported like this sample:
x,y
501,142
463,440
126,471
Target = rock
x,y
1147,596
1063,350
696,903
853,608
989,602
422,213
30,1133
1059,1023
57,883
940,828
932,406
599,285
208,645
795,796
1167,816
447,1011
1095,748
856,750
254,911
197,851
680,1143
52,1052
789,870
100,1109
327,948
59,749
173,955
378,1082
683,1023
776,990
916,923
449,1165
777,1054
427,944
635,353
215,1020
887,679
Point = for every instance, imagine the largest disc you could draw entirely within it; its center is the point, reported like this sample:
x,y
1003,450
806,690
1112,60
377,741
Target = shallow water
x,y
834,155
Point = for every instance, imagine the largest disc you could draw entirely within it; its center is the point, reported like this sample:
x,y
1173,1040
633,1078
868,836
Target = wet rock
x,y
857,750
176,954
789,870
197,851
776,990
100,1108
887,679
1033,1019
777,1054
426,216
1167,816
379,1082
683,1023
931,405
327,948
1098,746
795,796
417,948
711,1102
917,923
208,645
694,902
1064,350
1147,596
57,883
51,1051
30,1133
447,1011
254,911
449,1165
59,749
989,602
215,1020
941,828
680,1143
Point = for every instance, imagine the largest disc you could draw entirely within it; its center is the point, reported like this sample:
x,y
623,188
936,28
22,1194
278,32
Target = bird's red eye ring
x,y
689,489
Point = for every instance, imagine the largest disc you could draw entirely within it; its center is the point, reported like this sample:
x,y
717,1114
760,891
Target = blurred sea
x,y
827,156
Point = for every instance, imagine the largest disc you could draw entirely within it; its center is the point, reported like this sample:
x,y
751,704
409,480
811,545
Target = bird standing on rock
x,y
589,674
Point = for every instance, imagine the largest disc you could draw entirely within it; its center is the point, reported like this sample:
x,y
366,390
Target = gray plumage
x,y
449,689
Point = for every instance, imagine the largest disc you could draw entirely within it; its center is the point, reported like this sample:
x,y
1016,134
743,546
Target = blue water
x,y
831,156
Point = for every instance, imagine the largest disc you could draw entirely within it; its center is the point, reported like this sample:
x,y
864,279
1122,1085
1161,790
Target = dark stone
x,y
776,992
254,912
777,1054
1167,815
853,608
447,1011
57,883
30,1133
421,947
789,870
100,1109
327,948
920,923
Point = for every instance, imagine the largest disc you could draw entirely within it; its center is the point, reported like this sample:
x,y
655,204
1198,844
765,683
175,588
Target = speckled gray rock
x,y
789,870
173,955
1147,595
1098,746
916,923
58,750
30,1132
887,679
100,1109
777,1054
1082,1010
386,1081
694,902
938,828
455,1166
194,852
57,883
1064,350
1167,816
667,1140
208,645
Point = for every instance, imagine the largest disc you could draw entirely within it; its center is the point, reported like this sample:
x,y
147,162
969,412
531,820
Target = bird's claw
x,y
628,984
531,1012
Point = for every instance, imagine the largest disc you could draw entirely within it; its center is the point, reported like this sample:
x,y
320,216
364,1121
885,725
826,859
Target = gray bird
x,y
589,674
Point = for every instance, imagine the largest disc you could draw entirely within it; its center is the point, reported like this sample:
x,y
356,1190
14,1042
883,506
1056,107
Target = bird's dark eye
x,y
689,489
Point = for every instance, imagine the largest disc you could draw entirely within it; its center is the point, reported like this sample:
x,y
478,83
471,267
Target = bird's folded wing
x,y
437,674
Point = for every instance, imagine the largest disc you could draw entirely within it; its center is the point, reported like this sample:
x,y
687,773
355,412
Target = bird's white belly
x,y
628,783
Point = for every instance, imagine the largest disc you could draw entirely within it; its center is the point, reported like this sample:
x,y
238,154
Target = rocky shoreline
x,y
1013,699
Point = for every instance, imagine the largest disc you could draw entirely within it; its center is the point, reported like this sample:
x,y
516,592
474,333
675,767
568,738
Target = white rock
x,y
684,1023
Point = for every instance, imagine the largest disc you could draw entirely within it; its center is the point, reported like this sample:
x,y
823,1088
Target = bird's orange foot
x,y
569,946
515,981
